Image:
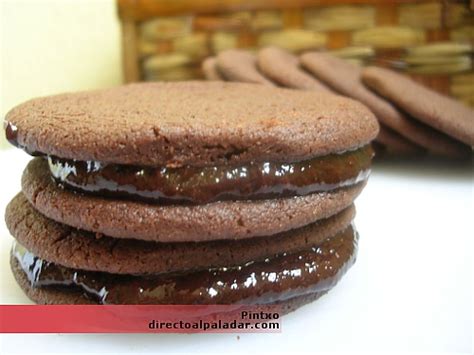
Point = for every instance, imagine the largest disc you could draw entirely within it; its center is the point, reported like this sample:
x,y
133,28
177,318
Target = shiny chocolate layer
x,y
197,185
275,279
11,134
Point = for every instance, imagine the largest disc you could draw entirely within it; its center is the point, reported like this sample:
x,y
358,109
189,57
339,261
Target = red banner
x,y
139,319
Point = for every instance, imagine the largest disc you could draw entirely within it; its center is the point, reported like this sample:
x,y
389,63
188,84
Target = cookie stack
x,y
414,120
187,193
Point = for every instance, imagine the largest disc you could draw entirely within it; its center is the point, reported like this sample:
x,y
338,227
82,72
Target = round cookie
x,y
77,249
202,124
240,65
73,296
209,68
283,68
438,111
178,223
345,78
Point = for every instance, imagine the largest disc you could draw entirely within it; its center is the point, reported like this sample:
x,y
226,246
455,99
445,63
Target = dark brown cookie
x,y
279,278
440,112
73,248
209,68
240,65
73,296
138,220
345,78
191,123
283,67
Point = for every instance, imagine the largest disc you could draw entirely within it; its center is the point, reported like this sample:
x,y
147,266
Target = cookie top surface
x,y
440,112
345,78
240,65
190,123
283,67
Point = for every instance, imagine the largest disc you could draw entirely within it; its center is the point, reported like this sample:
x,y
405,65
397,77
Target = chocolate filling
x,y
275,279
198,185
11,134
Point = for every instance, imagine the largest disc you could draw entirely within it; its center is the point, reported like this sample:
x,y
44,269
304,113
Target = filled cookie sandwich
x,y
187,193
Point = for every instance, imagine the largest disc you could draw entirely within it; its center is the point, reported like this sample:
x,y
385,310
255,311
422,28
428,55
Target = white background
x,y
410,289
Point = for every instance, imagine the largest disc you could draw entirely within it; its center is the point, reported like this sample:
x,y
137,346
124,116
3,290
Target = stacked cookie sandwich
x,y
187,193
414,120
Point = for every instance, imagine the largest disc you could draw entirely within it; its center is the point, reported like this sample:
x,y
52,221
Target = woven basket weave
x,y
430,40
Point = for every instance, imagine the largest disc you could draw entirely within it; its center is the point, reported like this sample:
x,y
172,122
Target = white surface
x,y
410,290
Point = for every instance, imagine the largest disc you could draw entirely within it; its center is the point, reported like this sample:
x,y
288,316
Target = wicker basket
x,y
430,40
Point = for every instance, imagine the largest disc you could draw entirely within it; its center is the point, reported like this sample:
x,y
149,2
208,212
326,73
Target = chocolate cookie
x,y
54,296
240,65
279,278
345,78
73,248
284,68
178,223
190,124
209,68
440,112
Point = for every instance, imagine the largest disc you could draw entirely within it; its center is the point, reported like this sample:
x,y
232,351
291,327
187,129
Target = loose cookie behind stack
x,y
414,120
